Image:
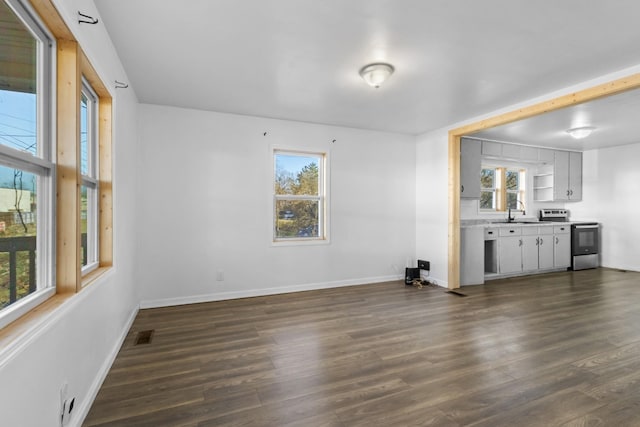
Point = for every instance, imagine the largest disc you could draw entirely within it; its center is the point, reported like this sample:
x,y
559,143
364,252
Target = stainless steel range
x,y
585,239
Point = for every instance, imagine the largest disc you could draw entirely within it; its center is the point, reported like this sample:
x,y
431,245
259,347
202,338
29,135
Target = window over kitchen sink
x,y
502,188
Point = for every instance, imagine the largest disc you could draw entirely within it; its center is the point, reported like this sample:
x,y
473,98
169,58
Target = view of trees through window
x,y
488,199
298,198
501,188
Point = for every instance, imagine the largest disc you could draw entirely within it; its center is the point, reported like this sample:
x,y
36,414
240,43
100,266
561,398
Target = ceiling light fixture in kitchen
x,y
376,74
581,132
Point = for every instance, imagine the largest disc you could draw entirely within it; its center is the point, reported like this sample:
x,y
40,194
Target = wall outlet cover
x,y
424,265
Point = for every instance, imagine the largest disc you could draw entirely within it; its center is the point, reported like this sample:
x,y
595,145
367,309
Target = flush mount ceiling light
x,y
376,74
581,132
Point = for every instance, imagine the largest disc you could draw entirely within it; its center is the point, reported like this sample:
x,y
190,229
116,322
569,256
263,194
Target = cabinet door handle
x,y
520,242
462,188
567,192
557,240
572,192
541,241
537,241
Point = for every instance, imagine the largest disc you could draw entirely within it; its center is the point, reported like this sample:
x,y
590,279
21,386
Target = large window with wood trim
x,y
502,188
26,162
55,187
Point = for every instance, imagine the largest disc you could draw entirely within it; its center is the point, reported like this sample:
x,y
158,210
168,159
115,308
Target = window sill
x,y
94,275
300,242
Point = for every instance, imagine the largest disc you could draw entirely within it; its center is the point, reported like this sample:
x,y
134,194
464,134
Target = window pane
x,y
512,180
487,200
84,129
18,191
512,200
487,178
296,175
297,218
84,219
18,80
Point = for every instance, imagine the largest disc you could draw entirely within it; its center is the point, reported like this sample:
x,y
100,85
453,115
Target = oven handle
x,y
585,226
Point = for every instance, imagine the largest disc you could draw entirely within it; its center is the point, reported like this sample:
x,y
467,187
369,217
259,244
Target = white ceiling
x,y
616,120
299,59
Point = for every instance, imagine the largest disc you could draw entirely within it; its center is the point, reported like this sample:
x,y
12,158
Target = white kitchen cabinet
x,y
567,176
575,176
562,246
511,151
470,165
537,248
510,250
546,156
471,259
529,154
491,149
545,248
515,249
530,252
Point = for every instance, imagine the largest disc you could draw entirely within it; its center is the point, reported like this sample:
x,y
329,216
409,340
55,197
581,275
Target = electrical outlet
x,y
64,419
67,408
424,265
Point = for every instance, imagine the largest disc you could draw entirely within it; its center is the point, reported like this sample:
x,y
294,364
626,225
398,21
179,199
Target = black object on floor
x,y
457,293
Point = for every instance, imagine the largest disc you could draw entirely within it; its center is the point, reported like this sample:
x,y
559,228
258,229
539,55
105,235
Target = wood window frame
x,y
71,65
589,94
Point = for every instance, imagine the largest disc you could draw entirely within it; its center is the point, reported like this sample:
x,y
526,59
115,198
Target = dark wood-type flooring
x,y
560,349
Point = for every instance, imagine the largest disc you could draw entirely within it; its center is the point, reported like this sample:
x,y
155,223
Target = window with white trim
x,y
299,196
502,188
26,166
89,177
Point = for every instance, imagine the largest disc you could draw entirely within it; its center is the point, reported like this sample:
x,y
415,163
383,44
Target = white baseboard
x,y
221,296
439,282
85,406
622,267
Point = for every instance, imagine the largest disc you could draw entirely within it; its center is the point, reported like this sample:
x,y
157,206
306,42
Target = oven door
x,y
584,239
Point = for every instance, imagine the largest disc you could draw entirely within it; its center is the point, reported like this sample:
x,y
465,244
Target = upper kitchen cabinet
x,y
567,176
470,164
512,152
546,156
491,149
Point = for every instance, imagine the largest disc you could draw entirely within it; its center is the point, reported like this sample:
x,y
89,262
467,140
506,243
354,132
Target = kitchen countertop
x,y
483,223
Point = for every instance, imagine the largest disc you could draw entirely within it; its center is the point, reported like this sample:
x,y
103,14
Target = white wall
x,y
76,343
611,185
205,198
432,202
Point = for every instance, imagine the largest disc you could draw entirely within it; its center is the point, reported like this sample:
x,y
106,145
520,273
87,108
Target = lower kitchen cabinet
x,y
510,250
530,248
562,246
471,265
503,251
545,250
537,248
